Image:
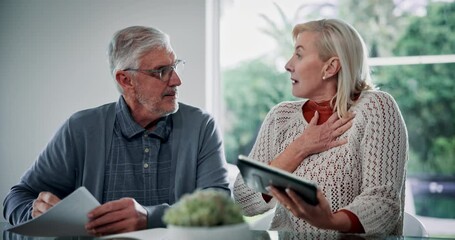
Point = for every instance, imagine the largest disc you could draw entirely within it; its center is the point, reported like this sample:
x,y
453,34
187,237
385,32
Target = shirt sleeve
x,y
212,166
53,171
155,215
264,150
356,226
384,149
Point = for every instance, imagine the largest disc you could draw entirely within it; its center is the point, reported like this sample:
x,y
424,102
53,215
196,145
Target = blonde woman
x,y
357,162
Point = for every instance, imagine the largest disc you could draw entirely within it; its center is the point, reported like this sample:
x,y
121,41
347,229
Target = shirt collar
x,y
130,128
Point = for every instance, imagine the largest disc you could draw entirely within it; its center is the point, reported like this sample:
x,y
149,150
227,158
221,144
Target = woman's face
x,y
307,70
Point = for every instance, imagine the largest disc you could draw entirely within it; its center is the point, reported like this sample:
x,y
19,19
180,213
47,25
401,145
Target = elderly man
x,y
137,156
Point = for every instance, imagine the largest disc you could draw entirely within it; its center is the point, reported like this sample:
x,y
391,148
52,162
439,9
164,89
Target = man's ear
x,y
332,67
123,79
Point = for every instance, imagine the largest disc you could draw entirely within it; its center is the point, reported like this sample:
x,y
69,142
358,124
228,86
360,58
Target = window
x,y
412,46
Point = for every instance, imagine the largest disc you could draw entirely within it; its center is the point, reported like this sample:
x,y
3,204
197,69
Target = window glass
x,y
412,49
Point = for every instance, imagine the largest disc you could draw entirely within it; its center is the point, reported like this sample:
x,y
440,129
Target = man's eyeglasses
x,y
162,73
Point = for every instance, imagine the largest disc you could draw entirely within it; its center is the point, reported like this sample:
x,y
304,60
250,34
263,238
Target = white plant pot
x,y
227,232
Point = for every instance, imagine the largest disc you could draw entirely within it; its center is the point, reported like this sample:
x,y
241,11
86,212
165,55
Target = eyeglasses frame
x,y
161,72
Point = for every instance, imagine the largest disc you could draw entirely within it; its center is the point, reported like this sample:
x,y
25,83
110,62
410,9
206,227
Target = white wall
x,y
53,63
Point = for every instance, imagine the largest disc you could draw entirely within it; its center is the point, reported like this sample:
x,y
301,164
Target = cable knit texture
x,y
365,176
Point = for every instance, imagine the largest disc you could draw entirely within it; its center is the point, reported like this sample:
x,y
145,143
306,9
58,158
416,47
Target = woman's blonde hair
x,y
337,38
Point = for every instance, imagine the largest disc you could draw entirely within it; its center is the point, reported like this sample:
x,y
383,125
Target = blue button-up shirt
x,y
139,163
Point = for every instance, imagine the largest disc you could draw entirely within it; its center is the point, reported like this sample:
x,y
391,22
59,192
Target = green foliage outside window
x,y
251,90
426,92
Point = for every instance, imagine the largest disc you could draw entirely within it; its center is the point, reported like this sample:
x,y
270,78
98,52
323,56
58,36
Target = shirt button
x,y
146,150
146,165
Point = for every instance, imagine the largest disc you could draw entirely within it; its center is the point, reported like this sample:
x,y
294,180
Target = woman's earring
x,y
323,78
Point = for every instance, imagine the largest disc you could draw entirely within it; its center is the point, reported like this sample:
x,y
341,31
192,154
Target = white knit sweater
x,y
365,176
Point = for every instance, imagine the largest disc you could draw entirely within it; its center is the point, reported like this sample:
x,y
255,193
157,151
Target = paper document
x,y
66,218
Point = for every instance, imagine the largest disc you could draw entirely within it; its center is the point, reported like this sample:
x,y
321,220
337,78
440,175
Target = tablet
x,y
258,176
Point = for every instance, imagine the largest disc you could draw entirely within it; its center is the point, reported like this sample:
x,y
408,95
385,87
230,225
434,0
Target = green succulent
x,y
204,208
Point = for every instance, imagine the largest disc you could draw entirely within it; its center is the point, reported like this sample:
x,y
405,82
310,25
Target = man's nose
x,y
174,79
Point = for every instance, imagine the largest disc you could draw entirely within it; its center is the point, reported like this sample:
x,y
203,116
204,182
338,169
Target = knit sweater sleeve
x,y
264,150
383,150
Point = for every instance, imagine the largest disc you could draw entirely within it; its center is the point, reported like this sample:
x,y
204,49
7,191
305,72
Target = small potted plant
x,y
206,214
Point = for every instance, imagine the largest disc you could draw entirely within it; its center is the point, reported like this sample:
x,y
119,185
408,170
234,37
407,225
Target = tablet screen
x,y
258,176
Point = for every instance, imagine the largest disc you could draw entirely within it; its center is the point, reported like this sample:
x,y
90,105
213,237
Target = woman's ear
x,y
332,67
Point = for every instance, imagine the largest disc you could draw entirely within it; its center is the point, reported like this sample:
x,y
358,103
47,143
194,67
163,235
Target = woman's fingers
x,y
281,197
341,125
342,129
314,120
299,202
339,122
